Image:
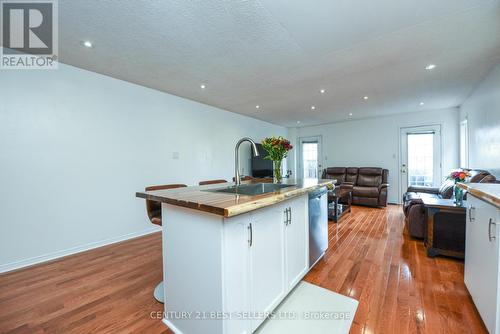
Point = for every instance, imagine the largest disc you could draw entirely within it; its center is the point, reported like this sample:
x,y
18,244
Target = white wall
x,y
75,146
482,110
374,142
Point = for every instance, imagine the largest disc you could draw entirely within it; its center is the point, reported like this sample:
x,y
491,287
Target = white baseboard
x,y
78,249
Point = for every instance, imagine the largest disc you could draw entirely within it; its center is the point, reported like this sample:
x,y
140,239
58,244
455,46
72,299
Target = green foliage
x,y
276,147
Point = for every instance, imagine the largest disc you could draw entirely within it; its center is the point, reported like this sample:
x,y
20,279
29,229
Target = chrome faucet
x,y
237,178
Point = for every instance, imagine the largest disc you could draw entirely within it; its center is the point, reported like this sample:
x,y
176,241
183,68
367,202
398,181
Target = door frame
x,y
438,129
300,167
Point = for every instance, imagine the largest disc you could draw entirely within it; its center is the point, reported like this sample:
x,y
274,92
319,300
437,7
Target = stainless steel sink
x,y
252,189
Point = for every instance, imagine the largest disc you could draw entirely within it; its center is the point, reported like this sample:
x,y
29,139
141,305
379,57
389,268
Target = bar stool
x,y
154,213
203,183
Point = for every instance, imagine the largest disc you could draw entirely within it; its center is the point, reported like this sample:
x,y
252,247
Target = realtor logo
x,y
29,34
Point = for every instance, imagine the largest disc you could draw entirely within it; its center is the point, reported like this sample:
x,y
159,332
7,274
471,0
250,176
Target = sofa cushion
x,y
365,191
351,175
369,177
477,175
371,201
337,173
446,189
488,179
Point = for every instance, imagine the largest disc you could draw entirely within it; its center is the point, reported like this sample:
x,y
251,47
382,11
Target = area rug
x,y
313,310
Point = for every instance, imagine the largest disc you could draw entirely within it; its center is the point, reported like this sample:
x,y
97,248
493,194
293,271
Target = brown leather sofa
x,y
369,184
412,200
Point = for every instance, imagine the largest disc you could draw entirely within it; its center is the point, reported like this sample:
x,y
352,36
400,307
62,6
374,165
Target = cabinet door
x,y
266,261
236,250
296,241
481,261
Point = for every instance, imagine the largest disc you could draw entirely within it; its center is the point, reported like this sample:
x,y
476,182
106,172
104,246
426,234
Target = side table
x,y
445,228
339,202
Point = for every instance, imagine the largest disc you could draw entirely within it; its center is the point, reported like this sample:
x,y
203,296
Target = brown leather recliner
x,y
412,200
369,184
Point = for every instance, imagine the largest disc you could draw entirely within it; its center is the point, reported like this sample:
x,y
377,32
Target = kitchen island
x,y
232,254
482,251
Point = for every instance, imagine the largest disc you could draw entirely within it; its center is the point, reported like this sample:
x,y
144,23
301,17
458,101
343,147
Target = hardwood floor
x,y
399,289
109,290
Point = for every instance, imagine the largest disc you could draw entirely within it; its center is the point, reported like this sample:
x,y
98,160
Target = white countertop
x,y
488,192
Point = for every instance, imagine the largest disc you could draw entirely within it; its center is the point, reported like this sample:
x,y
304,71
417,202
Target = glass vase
x,y
277,173
458,195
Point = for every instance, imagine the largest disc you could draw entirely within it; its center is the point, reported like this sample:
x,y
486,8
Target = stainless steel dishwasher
x,y
318,224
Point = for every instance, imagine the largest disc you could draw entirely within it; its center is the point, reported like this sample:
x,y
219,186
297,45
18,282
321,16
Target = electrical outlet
x,y
175,155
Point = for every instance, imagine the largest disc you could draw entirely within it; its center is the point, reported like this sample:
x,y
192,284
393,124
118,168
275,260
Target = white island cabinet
x,y
225,275
482,256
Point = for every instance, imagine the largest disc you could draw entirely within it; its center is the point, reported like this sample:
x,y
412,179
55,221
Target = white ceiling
x,y
278,54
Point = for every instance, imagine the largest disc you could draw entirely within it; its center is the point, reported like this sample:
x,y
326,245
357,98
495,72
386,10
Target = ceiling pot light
x,y
298,122
313,107
365,97
350,114
87,44
430,67
421,103
257,107
202,86
322,91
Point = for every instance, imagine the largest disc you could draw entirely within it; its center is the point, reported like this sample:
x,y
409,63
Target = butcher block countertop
x,y
488,192
229,205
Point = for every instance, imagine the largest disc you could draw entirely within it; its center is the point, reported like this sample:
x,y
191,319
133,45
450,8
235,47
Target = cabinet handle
x,y
250,238
286,216
471,218
289,216
491,237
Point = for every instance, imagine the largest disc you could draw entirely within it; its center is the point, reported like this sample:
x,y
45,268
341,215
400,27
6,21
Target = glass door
x,y
421,157
310,157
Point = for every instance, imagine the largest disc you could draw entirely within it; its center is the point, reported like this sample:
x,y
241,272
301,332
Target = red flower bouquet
x,y
459,175
277,149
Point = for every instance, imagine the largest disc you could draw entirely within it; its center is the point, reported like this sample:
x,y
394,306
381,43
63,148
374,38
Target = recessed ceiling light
x,y
322,91
421,103
298,122
430,67
365,97
257,107
350,114
313,107
87,44
202,86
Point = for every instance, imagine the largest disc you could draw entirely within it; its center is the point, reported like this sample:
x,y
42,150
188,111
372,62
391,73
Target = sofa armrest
x,y
382,186
346,185
382,195
419,189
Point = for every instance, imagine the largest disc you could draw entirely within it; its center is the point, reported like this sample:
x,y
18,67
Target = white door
x,y
236,273
296,240
267,267
482,260
420,157
310,157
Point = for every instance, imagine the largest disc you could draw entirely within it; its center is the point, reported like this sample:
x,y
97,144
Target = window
x,y
464,144
420,159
